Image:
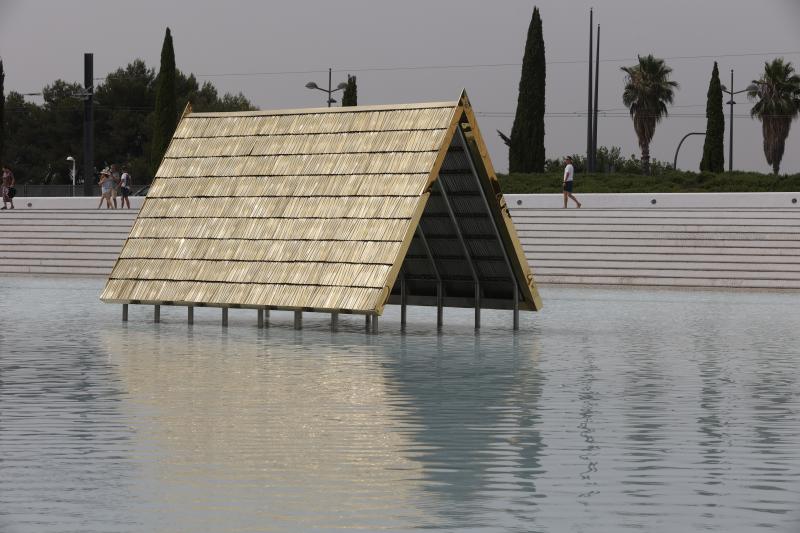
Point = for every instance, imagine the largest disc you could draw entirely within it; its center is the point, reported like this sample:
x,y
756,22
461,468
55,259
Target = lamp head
x,y
342,85
70,158
311,85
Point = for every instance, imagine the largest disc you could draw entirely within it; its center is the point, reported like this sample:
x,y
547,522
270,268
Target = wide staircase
x,y
676,247
672,247
62,241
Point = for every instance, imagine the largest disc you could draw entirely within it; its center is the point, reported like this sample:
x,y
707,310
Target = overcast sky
x,y
266,50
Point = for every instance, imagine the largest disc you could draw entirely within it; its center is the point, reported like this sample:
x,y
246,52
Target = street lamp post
x,y
730,92
72,173
329,90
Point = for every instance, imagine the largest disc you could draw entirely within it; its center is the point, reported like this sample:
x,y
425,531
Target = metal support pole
x,y
678,149
260,319
477,306
730,142
367,322
266,317
334,321
298,320
516,309
464,248
439,305
156,313
190,314
330,88
224,317
589,118
439,285
403,301
88,124
375,324
596,91
124,312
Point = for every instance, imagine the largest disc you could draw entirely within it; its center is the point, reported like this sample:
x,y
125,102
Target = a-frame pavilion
x,y
336,210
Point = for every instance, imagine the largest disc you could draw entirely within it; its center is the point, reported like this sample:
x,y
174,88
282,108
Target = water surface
x,y
611,410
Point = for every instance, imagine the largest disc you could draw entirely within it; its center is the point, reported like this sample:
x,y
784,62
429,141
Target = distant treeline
x,y
38,138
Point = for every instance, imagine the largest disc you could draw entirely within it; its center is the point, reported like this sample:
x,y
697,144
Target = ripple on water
x,y
610,410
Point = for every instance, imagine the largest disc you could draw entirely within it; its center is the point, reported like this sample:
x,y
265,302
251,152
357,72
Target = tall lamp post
x,y
730,92
72,173
340,87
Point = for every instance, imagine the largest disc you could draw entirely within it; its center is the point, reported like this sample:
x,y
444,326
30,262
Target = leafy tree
x,y
526,151
123,118
25,152
647,92
350,95
714,147
778,94
2,109
166,113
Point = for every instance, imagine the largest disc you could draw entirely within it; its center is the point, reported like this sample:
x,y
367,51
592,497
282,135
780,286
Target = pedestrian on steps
x,y
7,188
106,185
569,178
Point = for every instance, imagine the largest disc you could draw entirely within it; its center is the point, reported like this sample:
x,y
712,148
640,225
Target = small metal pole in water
x,y
124,312
334,321
477,306
266,317
224,317
516,309
260,319
403,303
439,306
367,322
156,313
190,314
298,320
375,324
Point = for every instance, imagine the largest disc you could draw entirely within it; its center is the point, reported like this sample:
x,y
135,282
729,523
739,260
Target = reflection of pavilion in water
x,y
356,429
256,433
471,408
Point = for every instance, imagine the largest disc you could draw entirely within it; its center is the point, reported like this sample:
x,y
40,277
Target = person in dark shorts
x,y
7,188
125,188
569,179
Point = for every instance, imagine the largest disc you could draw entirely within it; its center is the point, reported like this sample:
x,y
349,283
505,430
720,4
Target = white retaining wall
x,y
682,240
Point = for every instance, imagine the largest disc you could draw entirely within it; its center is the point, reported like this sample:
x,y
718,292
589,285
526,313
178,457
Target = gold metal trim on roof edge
x,y
526,278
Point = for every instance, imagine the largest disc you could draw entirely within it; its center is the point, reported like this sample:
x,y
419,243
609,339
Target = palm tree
x,y
648,90
778,94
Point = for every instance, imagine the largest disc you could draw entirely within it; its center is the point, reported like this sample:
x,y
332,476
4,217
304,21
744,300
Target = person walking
x,y
569,178
125,188
115,178
7,188
106,185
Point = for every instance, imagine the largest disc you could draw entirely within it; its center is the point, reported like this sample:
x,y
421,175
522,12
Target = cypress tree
x,y
350,95
526,152
714,147
166,112
2,110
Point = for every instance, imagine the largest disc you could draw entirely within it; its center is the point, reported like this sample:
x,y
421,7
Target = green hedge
x,y
667,182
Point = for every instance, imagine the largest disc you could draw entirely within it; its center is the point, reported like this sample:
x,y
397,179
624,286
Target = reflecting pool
x,y
611,410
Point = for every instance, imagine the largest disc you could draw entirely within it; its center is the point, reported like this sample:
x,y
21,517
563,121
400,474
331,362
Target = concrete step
x,y
671,282
60,262
566,265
